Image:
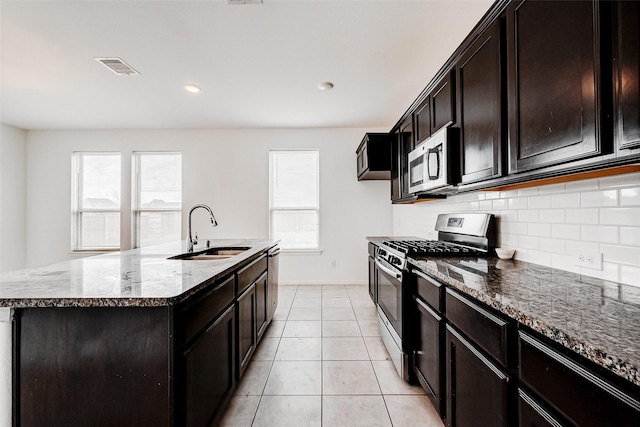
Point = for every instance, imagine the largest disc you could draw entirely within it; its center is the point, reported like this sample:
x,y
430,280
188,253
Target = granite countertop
x,y
138,278
597,319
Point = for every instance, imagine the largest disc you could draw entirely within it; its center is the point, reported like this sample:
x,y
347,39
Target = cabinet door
x,y
363,159
479,82
209,372
442,103
396,184
246,328
627,75
422,120
477,390
427,353
406,146
372,279
552,74
262,304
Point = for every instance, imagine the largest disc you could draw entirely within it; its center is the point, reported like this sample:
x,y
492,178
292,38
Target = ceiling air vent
x,y
118,66
244,1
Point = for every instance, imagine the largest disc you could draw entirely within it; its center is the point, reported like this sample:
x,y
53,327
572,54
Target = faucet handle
x,y
195,239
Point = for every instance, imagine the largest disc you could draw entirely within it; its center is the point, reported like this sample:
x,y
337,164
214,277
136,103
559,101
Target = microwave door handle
x,y
389,271
433,163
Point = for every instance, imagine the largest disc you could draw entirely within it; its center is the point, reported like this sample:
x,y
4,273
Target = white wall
x,y
12,197
548,224
228,170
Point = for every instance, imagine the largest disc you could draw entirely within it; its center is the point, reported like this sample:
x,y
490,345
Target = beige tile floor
x,y
322,363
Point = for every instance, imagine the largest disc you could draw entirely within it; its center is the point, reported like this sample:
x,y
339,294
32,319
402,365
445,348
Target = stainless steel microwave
x,y
429,168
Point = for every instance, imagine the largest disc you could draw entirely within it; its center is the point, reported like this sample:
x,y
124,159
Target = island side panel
x,y
6,337
93,366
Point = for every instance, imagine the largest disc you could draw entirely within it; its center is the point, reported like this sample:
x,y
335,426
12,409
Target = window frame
x,y
317,249
136,211
76,199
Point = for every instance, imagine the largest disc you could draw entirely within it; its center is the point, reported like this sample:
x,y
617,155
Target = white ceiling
x,y
257,65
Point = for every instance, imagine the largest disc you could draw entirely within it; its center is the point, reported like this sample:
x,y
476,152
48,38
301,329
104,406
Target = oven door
x,y
390,294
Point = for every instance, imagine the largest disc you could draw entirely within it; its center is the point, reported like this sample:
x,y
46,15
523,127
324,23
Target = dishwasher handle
x,y
274,252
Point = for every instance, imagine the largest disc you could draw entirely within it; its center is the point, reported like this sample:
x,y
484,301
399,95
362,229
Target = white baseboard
x,y
322,282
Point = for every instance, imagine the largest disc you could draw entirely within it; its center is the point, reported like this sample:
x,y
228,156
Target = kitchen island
x,y
133,337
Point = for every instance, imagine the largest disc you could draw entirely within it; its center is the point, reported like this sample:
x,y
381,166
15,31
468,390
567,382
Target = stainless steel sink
x,y
211,254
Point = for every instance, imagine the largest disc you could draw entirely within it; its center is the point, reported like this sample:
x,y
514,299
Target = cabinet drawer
x,y
485,329
198,313
372,250
251,272
430,290
532,414
578,394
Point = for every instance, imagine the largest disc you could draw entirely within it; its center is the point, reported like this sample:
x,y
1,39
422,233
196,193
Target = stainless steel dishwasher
x,y
272,280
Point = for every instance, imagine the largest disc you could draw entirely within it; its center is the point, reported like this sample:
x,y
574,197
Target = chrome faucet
x,y
194,241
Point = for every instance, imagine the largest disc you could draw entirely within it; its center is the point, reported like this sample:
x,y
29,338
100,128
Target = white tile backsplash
x,y
530,215
599,233
565,231
599,198
620,216
518,203
630,196
552,216
565,200
539,202
581,216
630,236
548,225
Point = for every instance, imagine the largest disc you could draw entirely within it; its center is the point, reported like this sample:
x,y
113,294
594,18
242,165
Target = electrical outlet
x,y
589,260
333,263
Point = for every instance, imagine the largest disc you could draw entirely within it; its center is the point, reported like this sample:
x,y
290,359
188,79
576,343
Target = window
x,y
294,198
96,209
158,198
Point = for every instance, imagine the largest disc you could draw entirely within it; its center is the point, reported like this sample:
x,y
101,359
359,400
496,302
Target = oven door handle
x,y
389,271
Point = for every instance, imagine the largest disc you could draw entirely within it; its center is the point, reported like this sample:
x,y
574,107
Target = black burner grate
x,y
429,247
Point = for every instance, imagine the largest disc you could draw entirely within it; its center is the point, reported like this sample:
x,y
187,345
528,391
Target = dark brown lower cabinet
x,y
532,414
92,366
477,389
427,353
246,328
209,372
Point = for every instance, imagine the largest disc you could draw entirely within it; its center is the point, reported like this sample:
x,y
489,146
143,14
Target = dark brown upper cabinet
x,y
406,146
553,90
627,76
480,74
442,102
422,120
373,157
396,183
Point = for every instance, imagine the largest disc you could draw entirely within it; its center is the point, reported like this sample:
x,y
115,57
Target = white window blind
x,y
294,198
96,210
158,197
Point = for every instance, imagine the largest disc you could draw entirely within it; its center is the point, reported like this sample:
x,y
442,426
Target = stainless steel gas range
x,y
466,234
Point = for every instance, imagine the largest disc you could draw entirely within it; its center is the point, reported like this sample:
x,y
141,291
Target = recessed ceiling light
x,y
325,86
192,88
